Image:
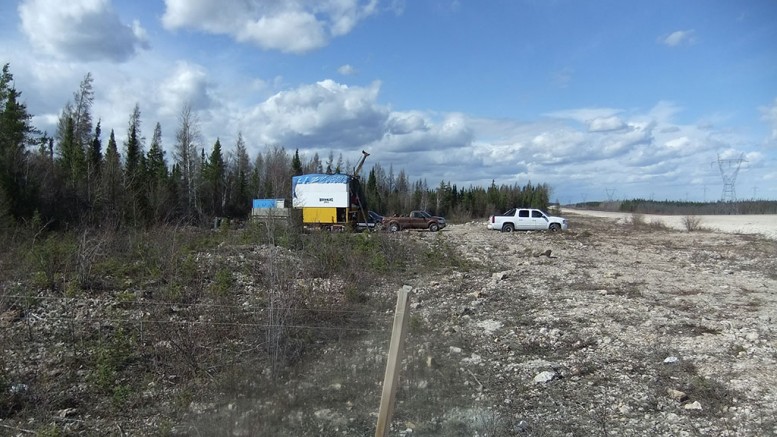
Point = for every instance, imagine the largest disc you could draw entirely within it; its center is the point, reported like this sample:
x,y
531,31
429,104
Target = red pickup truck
x,y
415,220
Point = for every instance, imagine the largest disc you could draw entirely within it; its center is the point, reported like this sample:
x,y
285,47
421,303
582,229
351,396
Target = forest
x,y
79,176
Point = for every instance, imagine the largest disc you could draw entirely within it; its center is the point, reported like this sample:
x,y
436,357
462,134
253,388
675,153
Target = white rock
x,y
489,326
546,376
677,395
695,405
474,359
500,276
670,360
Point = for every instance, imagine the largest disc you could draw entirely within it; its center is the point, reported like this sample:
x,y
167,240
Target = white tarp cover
x,y
320,190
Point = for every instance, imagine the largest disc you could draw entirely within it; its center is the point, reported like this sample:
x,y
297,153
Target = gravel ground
x,y
607,329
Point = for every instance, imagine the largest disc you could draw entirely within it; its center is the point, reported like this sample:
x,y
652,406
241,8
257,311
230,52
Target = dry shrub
x,y
692,223
658,225
636,220
639,221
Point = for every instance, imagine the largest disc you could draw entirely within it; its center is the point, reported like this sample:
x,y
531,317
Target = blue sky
x,y
599,99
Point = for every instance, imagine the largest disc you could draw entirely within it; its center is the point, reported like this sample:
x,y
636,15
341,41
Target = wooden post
x,y
391,379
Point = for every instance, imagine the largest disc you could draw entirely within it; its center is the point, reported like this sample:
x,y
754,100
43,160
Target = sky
x,y
600,99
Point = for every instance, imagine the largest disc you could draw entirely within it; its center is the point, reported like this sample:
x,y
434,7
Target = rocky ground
x,y
612,328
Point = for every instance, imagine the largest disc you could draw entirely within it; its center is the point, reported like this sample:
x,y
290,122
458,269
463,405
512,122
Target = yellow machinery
x,y
330,201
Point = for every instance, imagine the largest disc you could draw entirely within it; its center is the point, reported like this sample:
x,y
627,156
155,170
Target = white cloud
x,y
324,114
769,115
400,123
602,124
346,70
584,115
85,30
187,85
423,135
294,26
664,112
679,37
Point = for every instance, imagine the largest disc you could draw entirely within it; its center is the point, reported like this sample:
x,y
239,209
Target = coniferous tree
x,y
95,155
134,171
112,184
72,160
17,190
240,174
296,164
213,176
157,179
94,159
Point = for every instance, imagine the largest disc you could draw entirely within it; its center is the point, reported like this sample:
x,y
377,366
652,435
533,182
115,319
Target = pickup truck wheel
x,y
393,227
434,227
508,227
555,227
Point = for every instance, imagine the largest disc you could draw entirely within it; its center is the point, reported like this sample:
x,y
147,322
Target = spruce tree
x,y
17,190
213,175
296,164
111,183
134,171
157,184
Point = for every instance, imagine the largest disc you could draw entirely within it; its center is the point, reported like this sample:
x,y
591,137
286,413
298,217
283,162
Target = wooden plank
x,y
391,379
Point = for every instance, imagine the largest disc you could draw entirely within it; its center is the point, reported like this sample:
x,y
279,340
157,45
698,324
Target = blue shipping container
x,y
268,203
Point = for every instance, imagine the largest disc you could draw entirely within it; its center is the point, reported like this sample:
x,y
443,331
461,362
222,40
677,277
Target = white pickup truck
x,y
526,219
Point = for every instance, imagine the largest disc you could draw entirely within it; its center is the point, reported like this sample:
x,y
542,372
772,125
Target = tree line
x,y
72,179
674,207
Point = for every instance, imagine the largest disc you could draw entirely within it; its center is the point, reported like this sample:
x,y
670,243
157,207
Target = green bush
x,y
53,256
111,357
222,282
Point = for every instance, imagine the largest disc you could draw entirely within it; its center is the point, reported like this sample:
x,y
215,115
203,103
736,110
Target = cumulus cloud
x,y
86,30
423,135
401,123
322,114
293,26
679,37
187,85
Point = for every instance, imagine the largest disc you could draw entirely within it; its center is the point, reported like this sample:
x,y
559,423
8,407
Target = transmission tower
x,y
729,168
